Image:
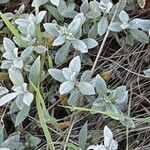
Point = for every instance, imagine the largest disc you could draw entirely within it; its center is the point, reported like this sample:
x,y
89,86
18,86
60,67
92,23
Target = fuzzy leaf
x,y
3,90
12,142
123,16
75,65
28,98
102,26
86,88
8,45
62,54
73,98
115,27
40,49
57,75
16,76
55,2
66,87
90,43
100,85
140,36
83,137
40,17
35,71
21,116
7,98
80,46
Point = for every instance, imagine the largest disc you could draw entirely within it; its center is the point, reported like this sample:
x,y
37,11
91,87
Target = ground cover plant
x,y
74,75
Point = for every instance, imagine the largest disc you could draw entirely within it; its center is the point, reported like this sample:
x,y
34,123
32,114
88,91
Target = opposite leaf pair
x,y
69,78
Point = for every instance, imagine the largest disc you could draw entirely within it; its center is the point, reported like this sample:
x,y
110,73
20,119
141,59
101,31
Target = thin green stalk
x,y
40,107
12,29
43,123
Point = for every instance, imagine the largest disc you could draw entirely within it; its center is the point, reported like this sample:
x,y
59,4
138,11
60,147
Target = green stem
x,y
42,121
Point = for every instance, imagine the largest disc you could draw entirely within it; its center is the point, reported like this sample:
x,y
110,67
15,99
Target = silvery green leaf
x,y
67,72
115,27
12,142
94,6
27,53
129,40
80,16
86,88
9,55
80,46
90,43
109,6
4,1
83,136
22,22
74,26
19,101
102,26
73,98
4,149
22,115
93,31
18,89
108,136
16,76
140,36
41,2
28,98
114,112
40,17
59,41
128,122
62,6
97,147
100,85
124,25
8,45
21,9
57,75
99,104
54,12
68,13
55,2
7,98
93,14
66,87
23,30
9,15
62,53
51,29
18,63
75,65
86,76
1,133
121,95
143,24
147,72
6,64
35,71
84,7
123,16
122,5
31,29
3,90
40,49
